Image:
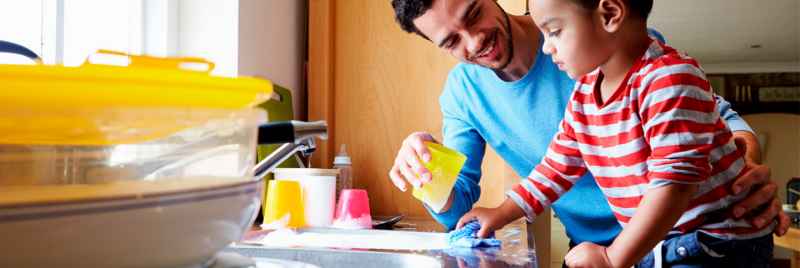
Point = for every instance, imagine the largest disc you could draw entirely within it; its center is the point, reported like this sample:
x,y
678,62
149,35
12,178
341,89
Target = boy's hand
x,y
492,219
588,255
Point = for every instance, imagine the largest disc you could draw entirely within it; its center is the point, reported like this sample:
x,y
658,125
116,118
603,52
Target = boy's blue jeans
x,y
698,249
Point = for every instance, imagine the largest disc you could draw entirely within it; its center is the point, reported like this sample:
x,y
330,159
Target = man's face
x,y
474,31
572,35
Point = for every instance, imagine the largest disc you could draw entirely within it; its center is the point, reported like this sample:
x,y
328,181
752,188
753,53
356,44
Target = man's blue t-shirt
x,y
518,119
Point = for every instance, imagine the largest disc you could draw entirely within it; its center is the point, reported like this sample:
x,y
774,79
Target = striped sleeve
x,y
680,121
559,169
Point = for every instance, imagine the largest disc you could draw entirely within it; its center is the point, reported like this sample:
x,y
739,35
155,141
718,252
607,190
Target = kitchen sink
x,y
338,258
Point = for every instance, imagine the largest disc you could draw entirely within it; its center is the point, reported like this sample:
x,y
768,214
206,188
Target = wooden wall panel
x,y
320,74
514,7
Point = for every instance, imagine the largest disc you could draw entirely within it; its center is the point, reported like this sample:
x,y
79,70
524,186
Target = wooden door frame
x,y
321,74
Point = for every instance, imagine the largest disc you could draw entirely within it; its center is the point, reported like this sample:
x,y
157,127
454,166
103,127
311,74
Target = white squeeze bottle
x,y
343,164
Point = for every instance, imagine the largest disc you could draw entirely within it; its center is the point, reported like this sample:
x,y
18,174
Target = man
x,y
509,95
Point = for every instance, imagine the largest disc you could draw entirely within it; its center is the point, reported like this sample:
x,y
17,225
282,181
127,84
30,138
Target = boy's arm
x,y
559,169
657,213
681,126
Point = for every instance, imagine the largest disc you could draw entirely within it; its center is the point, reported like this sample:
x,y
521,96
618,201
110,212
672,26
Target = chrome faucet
x,y
296,136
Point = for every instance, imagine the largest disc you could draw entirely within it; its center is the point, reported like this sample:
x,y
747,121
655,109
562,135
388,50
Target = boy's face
x,y
573,36
474,31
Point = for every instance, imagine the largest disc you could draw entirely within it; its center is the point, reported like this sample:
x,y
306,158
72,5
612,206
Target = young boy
x,y
642,119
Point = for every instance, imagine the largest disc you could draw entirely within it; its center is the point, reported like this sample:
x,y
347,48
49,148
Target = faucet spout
x,y
296,136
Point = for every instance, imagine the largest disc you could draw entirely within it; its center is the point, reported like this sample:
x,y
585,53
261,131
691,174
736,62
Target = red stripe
x,y
552,176
675,79
666,61
604,119
548,192
677,102
631,159
582,98
528,198
714,195
651,176
621,218
619,138
625,202
690,225
561,149
567,170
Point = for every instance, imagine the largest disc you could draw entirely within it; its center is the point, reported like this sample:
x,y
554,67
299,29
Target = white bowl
x,y
180,228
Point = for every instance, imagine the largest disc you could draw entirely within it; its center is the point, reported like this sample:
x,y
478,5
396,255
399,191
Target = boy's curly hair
x,y
641,8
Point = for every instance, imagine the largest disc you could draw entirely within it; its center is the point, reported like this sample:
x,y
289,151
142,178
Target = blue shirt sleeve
x,y
656,34
731,117
459,135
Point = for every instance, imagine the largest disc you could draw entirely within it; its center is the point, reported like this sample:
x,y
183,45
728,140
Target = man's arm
x,y
763,194
461,136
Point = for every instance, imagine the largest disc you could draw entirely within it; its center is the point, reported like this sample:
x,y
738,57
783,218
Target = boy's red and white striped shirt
x,y
660,127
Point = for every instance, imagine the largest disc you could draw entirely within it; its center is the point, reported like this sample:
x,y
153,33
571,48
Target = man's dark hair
x,y
639,7
406,11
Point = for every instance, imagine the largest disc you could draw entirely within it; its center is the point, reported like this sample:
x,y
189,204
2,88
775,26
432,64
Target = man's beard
x,y
510,42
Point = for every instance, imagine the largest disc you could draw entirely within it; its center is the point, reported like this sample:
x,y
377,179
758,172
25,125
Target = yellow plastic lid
x,y
102,104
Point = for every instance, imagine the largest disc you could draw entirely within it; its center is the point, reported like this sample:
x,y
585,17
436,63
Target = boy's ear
x,y
612,13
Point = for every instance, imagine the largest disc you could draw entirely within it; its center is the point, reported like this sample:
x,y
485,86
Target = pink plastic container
x,y
352,211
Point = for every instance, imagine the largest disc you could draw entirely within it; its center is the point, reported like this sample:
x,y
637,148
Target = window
x,y
93,24
66,32
21,24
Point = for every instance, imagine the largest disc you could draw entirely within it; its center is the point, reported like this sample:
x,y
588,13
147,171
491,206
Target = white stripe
x,y
593,109
727,224
663,71
563,160
639,169
619,150
572,144
681,138
540,178
584,88
627,212
683,168
675,91
693,213
625,191
723,177
676,115
720,151
731,236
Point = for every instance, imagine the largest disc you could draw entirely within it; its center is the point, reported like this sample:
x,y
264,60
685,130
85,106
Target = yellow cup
x,y
444,166
284,205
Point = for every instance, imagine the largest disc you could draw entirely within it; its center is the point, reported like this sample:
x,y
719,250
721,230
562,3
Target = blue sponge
x,y
467,237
